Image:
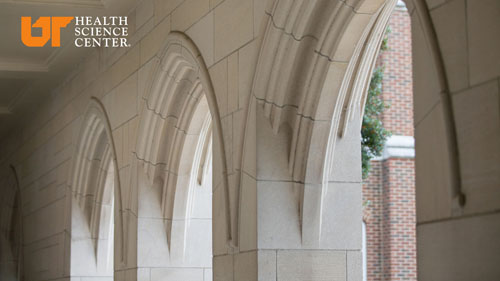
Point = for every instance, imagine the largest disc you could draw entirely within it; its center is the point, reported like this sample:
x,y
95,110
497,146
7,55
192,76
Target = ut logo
x,y
45,24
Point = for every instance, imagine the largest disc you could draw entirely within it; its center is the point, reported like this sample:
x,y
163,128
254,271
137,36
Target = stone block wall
x,y
462,65
287,80
43,149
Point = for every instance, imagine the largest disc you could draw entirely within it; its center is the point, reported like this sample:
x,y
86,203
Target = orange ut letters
x,y
45,24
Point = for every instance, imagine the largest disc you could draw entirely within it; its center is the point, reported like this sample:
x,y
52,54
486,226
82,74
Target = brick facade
x,y
389,191
397,82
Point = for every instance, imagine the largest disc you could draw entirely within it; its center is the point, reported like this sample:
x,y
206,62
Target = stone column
x,y
284,233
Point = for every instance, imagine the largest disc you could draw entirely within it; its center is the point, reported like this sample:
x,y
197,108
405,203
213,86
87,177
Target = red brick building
x,y
389,191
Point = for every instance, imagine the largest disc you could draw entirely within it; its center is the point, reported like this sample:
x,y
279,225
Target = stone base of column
x,y
289,265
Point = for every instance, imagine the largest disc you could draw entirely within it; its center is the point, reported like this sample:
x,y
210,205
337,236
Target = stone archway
x,y
178,123
309,91
314,67
96,223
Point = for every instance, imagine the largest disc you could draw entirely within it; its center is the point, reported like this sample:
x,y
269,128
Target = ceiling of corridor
x,y
28,73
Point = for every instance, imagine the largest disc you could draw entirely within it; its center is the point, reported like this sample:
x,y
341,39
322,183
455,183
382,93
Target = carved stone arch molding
x,y
96,193
179,115
313,72
11,227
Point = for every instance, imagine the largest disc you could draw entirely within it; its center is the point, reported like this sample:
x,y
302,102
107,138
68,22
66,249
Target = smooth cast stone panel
x,y
433,187
248,215
259,16
122,102
171,274
247,61
149,203
482,26
332,84
351,35
207,274
278,223
315,161
223,268
238,130
153,250
214,3
459,250
131,236
233,26
202,201
311,265
347,155
44,259
202,34
188,13
478,131
249,161
218,74
123,68
49,188
232,82
44,222
143,13
449,22
198,249
354,266
163,8
227,131
245,266
341,224
144,74
8,270
85,262
366,6
432,3
267,265
219,227
143,274
154,40
272,150
97,278
426,86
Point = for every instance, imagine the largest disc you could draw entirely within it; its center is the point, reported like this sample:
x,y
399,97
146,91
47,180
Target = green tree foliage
x,y
373,133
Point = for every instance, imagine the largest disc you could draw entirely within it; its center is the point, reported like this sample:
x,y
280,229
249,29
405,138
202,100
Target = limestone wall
x,y
286,181
458,243
43,150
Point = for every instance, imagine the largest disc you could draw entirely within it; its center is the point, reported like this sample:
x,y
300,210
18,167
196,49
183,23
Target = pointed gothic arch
x,y
313,71
179,125
97,222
